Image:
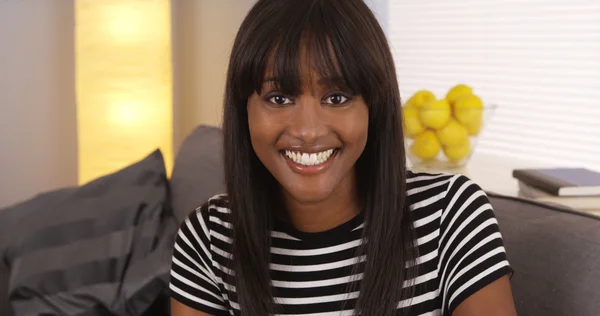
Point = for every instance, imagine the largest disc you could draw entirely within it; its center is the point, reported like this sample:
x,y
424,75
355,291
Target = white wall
x,y
381,10
38,144
538,61
203,34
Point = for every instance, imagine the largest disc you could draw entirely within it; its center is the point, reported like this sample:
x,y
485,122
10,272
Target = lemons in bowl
x,y
443,132
435,114
453,134
426,145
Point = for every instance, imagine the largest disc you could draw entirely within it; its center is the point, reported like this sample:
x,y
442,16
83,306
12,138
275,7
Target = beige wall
x,y
203,33
38,144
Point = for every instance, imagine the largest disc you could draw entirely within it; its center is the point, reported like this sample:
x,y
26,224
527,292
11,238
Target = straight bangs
x,y
317,34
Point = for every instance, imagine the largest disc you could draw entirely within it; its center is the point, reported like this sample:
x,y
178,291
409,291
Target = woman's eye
x,y
280,100
336,99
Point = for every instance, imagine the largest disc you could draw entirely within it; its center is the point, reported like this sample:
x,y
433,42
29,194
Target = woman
x,y
321,216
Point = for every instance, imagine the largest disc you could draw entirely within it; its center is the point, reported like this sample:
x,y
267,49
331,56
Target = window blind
x,y
537,60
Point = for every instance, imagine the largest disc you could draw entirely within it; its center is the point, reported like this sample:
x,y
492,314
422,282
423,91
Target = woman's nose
x,y
307,123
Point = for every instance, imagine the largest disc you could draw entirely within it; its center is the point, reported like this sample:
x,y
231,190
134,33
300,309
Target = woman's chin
x,y
310,195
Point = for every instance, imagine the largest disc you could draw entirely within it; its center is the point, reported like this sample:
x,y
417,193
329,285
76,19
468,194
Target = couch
x,y
555,252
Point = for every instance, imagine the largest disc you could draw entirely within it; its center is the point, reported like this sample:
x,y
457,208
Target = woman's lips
x,y
309,164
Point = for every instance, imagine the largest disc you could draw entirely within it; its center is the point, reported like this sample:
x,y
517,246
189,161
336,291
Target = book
x,y
583,203
561,181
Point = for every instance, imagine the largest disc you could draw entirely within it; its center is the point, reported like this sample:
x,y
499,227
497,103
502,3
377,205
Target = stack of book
x,y
576,188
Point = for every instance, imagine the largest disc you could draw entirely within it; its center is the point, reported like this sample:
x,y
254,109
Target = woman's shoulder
x,y
441,191
424,187
421,178
218,202
448,201
216,207
208,220
454,215
423,181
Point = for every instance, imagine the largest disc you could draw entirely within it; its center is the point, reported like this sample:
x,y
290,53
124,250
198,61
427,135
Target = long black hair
x,y
342,38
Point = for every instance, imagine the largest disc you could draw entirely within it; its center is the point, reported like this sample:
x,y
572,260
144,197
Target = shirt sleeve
x,y
472,253
193,281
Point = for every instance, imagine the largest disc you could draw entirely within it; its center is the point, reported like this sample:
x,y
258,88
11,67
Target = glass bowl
x,y
442,140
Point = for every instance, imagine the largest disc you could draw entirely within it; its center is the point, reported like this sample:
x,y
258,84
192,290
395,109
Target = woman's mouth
x,y
310,159
309,163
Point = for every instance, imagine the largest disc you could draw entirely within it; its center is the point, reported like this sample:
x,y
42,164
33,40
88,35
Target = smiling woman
x,y
309,142
321,216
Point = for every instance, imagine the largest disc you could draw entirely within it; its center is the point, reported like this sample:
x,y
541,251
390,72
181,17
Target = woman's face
x,y
309,142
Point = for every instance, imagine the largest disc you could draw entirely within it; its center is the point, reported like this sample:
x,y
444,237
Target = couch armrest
x,y
4,275
555,253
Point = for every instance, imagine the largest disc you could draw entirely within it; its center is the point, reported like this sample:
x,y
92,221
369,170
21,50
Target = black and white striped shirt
x,y
460,248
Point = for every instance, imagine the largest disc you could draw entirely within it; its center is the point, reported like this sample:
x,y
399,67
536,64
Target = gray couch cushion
x,y
17,216
556,257
198,170
103,248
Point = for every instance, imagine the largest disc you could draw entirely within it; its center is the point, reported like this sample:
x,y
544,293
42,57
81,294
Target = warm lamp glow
x,y
124,83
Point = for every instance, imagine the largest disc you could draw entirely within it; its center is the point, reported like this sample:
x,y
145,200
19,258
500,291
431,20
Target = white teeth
x,y
309,159
305,158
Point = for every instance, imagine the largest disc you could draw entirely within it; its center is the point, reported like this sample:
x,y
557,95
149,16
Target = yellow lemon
x,y
468,109
420,98
458,153
474,128
458,91
453,134
412,123
426,145
435,114
410,103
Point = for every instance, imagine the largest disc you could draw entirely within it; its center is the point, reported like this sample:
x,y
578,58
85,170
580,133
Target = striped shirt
x,y
459,242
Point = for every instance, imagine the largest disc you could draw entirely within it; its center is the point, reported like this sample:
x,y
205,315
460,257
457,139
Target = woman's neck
x,y
341,206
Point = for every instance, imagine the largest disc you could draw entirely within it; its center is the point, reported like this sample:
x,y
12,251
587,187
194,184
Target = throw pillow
x,y
99,249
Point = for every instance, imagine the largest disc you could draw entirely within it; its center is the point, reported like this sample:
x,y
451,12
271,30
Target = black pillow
x,y
99,249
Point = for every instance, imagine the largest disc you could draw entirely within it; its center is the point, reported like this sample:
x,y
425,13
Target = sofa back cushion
x,y
198,170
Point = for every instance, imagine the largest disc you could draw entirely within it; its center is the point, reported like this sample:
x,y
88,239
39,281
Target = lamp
x,y
123,83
